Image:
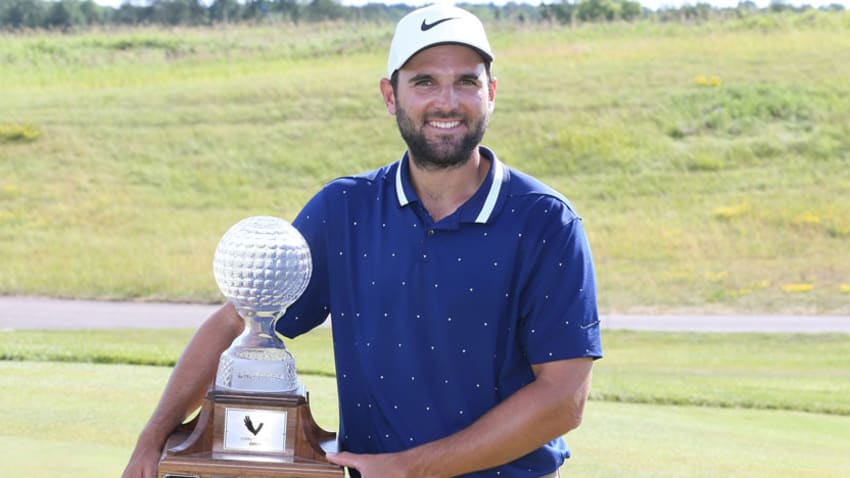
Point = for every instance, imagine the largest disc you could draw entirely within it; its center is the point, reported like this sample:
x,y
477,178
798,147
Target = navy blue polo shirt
x,y
434,324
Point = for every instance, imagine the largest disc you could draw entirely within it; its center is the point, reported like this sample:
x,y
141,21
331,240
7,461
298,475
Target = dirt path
x,y
43,313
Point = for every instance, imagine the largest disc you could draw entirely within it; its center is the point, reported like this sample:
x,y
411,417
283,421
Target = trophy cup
x,y
255,421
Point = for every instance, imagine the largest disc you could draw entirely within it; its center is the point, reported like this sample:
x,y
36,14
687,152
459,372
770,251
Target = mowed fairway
x,y
708,161
81,420
745,397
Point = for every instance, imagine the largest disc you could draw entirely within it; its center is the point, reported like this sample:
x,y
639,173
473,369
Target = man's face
x,y
442,104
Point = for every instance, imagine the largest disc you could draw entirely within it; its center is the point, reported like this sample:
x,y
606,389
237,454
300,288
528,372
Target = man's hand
x,y
143,462
385,465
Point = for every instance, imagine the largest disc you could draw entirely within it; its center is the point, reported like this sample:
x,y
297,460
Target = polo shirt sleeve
x,y
312,308
559,316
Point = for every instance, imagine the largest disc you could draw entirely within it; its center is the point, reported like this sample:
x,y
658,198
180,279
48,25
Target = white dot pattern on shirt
x,y
495,264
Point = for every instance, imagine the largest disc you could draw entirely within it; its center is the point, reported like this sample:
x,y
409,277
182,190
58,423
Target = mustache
x,y
442,115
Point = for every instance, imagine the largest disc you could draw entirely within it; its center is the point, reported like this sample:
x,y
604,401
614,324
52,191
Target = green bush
x,y
18,133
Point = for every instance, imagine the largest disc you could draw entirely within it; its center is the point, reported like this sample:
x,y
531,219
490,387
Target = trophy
x,y
255,421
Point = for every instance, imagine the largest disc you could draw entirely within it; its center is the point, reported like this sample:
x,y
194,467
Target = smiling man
x,y
462,291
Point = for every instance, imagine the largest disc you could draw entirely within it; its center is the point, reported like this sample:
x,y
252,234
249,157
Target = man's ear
x,y
388,95
491,91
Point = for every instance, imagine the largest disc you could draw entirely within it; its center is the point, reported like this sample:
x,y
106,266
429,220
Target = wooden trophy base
x,y
250,435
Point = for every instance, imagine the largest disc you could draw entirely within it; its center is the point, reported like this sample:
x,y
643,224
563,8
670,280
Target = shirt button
x,y
431,232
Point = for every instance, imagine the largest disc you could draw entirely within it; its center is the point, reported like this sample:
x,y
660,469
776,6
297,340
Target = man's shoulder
x,y
361,182
525,187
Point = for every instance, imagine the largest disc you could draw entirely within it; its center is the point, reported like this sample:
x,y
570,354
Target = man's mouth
x,y
444,124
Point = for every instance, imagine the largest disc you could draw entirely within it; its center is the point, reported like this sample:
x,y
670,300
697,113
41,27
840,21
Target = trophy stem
x,y
257,361
259,329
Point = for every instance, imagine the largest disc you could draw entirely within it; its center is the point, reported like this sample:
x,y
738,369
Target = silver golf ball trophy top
x,y
262,265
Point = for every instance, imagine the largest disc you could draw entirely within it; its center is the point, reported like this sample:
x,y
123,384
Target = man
x,y
462,291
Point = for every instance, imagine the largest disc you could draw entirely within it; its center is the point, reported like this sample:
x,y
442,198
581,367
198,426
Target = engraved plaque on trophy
x,y
255,421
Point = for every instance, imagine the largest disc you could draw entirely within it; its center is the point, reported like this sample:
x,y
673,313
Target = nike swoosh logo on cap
x,y
427,26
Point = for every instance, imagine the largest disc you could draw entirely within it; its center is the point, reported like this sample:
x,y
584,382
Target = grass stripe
x,y
801,372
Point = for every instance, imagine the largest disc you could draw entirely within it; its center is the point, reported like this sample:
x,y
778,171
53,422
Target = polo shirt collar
x,y
493,185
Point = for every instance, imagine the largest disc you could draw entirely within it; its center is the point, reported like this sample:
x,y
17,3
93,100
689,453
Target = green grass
x,y
708,161
81,421
662,404
767,371
643,441
760,371
314,352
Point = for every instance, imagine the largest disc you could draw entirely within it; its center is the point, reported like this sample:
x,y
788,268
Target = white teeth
x,y
444,124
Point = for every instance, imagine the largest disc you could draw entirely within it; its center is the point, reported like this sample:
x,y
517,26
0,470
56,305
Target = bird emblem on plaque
x,y
255,421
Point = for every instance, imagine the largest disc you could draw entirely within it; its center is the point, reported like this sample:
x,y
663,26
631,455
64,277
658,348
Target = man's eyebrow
x,y
420,77
428,76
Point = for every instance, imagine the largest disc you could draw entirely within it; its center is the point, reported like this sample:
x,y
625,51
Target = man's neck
x,y
442,191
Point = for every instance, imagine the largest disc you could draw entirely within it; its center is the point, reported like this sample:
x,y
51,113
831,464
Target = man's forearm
x,y
193,374
539,412
543,410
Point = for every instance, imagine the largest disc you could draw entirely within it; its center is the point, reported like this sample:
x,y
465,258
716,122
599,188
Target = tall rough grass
x,y
708,161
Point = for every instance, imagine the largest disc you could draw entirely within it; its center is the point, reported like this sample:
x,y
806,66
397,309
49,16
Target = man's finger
x,y
342,458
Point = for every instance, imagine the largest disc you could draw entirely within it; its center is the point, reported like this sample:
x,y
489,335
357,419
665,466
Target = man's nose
x,y
447,97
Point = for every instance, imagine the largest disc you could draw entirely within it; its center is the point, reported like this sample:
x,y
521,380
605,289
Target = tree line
x,y
68,15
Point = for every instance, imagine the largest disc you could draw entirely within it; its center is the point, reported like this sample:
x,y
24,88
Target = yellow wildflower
x,y
797,288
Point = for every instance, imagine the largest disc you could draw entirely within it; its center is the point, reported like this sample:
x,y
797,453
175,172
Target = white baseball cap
x,y
435,25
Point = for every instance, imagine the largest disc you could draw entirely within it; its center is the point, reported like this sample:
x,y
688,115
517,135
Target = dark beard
x,y
443,154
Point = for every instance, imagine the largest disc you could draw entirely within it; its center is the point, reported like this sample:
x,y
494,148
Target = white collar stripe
x,y
399,186
493,195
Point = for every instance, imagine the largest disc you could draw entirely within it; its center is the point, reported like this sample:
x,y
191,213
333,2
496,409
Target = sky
x,y
652,4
